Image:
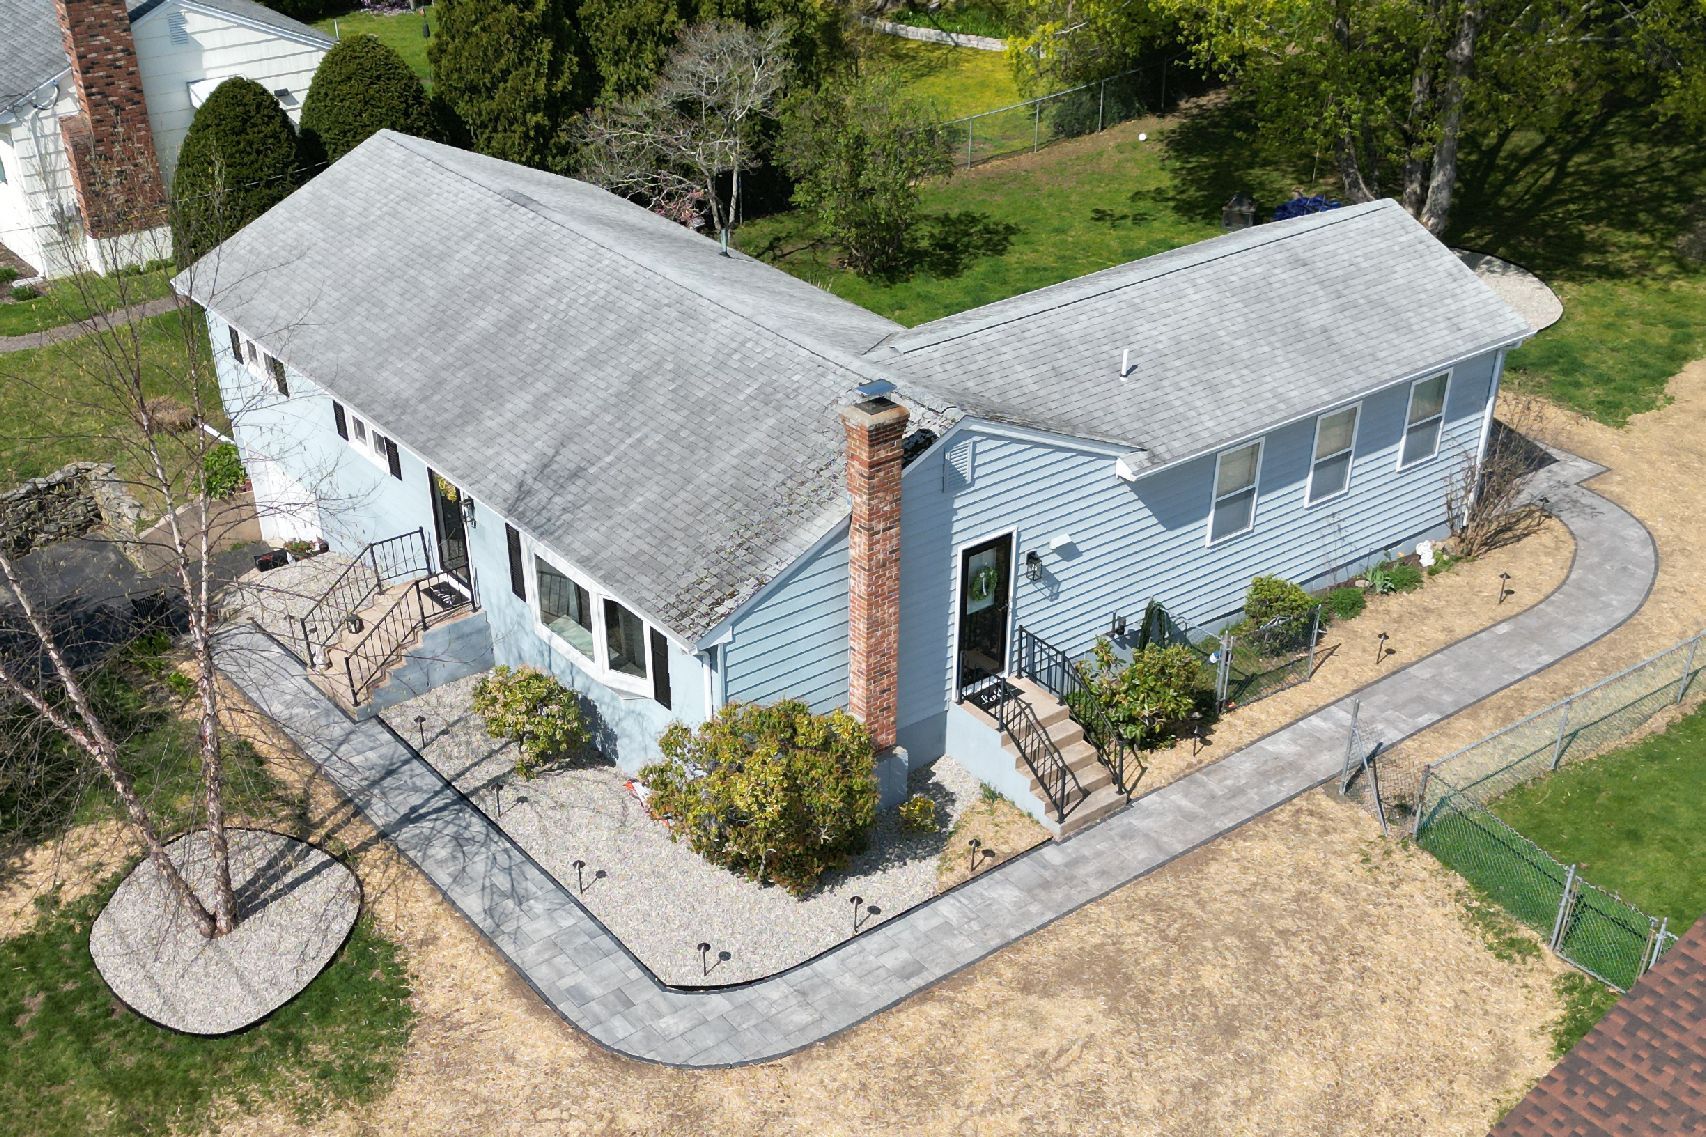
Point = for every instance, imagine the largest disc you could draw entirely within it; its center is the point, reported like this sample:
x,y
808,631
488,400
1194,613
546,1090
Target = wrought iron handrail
x,y
407,616
1052,670
1018,720
384,561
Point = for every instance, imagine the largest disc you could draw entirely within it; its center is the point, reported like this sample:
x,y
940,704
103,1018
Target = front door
x,y
448,524
986,573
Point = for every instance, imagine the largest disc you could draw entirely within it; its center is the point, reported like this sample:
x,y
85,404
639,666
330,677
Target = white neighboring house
x,y
138,69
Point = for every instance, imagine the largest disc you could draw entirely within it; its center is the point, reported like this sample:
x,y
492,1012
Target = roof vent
x,y
1125,364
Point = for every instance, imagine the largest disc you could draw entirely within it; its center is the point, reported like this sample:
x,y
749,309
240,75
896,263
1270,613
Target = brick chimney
x,y
874,430
108,142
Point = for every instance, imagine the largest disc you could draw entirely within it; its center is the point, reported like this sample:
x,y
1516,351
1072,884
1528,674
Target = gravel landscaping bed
x,y
658,896
297,907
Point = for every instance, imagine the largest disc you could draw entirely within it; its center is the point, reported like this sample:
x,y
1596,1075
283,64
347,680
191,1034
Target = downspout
x,y
1486,432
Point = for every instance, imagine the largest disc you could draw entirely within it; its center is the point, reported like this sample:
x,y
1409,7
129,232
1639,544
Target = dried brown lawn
x,y
1300,976
1002,831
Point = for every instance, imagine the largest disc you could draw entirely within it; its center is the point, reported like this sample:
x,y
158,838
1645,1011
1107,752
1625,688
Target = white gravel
x,y
658,896
297,903
1516,286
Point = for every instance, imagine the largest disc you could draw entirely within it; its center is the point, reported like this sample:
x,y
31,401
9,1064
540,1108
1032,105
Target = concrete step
x,y
1105,802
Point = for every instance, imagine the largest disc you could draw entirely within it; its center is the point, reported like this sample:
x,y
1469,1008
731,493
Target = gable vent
x,y
177,28
958,466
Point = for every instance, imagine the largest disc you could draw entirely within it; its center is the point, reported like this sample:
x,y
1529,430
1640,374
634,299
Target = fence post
x,y
1563,726
1223,674
1350,749
1658,945
1164,64
1101,102
971,124
1421,799
1036,125
1563,910
1314,639
1687,669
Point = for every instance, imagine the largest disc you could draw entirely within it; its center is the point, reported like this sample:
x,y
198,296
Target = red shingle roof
x,y
1641,1070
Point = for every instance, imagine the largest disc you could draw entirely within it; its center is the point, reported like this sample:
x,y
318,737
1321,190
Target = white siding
x,y
217,48
38,180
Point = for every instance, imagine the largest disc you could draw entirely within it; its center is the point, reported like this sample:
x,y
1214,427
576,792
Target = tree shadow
x,y
1216,148
1611,193
950,242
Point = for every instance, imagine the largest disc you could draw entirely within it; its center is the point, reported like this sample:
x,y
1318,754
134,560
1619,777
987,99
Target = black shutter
x,y
236,344
276,367
338,417
517,578
394,459
660,668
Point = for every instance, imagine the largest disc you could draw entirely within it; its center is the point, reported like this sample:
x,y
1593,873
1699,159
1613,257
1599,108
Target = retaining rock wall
x,y
67,503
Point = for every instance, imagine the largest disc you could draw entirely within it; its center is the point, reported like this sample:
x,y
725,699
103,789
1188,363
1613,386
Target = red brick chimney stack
x,y
111,149
874,429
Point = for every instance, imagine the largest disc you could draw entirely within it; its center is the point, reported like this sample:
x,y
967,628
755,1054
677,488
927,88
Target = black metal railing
x,y
425,602
1017,719
1052,670
377,566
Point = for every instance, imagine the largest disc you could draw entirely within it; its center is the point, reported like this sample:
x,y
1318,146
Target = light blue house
x,y
678,478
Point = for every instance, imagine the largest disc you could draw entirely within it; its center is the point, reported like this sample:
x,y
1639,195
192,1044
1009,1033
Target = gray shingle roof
x,y
1227,337
661,415
32,50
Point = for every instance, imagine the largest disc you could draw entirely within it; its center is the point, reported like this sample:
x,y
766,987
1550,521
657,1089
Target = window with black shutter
x,y
517,571
275,367
339,418
236,344
393,459
660,668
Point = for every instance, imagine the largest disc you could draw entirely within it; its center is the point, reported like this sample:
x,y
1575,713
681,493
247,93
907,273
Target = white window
x,y
1335,441
1235,491
1424,420
608,640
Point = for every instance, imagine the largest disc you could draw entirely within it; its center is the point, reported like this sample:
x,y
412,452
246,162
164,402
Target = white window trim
x,y
1309,498
598,667
1409,402
1209,539
1013,562
365,446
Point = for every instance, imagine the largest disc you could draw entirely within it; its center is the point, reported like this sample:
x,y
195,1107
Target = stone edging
x,y
933,35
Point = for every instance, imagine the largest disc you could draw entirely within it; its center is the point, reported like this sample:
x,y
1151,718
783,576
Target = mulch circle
x,y
297,905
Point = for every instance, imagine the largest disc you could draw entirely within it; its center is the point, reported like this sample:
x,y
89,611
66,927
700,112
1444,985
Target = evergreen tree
x,y
238,160
361,87
516,74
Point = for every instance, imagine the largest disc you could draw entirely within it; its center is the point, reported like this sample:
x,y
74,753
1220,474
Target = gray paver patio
x,y
579,968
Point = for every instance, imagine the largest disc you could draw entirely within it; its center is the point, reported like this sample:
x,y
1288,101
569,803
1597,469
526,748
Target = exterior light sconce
x,y
468,511
1116,627
1033,566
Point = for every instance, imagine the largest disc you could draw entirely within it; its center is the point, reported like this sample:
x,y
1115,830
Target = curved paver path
x,y
586,974
79,329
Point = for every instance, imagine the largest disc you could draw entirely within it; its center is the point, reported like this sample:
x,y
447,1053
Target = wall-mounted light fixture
x,y
1033,566
468,511
1117,626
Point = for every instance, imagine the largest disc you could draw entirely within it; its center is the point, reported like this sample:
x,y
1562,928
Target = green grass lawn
x,y
1081,205
73,1060
401,31
66,301
1601,209
55,409
1634,820
958,80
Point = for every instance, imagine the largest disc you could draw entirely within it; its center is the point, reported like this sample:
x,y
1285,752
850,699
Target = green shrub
x,y
1398,576
774,793
222,471
1271,598
238,160
1345,603
8,274
24,292
361,87
1145,696
534,710
918,814
180,685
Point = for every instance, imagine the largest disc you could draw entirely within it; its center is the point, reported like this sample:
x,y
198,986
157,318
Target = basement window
x,y
1234,509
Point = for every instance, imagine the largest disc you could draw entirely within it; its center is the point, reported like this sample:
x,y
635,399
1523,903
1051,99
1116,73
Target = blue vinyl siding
x,y
1135,541
360,502
793,642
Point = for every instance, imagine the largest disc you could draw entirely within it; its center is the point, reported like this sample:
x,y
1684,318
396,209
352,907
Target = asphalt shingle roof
x,y
1227,337
1641,1071
32,48
659,414
663,416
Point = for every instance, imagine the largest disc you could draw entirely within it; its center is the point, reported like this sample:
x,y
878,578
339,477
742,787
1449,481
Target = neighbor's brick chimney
x,y
111,149
874,430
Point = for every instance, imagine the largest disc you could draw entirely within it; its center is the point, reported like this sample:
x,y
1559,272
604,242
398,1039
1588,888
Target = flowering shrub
x,y
1303,206
918,814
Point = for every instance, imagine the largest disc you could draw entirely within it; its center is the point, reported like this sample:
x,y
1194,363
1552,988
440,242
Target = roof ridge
x,y
539,209
1321,221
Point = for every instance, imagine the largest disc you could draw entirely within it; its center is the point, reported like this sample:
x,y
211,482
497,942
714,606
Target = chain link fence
x,y
1240,666
1088,109
1448,807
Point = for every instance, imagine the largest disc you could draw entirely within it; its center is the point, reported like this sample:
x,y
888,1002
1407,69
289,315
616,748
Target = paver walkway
x,y
586,974
77,330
